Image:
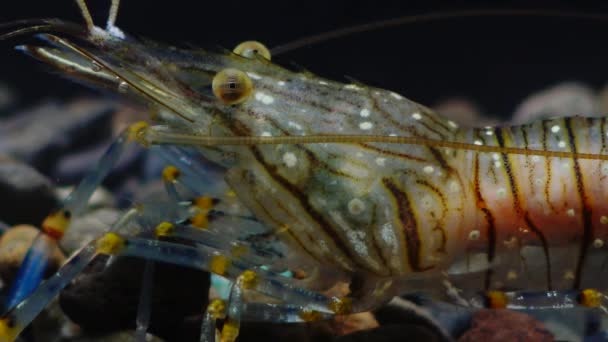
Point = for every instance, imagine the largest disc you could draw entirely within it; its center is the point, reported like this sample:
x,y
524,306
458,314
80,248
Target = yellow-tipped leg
x,y
8,333
171,173
497,299
591,298
57,223
164,229
110,244
230,331
341,306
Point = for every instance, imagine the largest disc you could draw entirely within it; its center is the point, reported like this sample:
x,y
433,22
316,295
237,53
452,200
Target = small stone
x,y
565,99
394,332
26,196
42,134
14,244
101,197
84,228
105,299
505,325
344,325
71,168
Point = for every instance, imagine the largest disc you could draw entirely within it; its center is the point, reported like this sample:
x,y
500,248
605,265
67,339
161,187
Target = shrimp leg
x,y
54,226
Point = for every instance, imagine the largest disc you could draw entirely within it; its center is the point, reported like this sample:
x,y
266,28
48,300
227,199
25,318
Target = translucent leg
x,y
542,300
143,309
19,317
84,10
54,226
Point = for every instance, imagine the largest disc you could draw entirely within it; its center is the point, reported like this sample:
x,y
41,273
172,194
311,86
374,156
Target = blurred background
x,y
495,61
484,69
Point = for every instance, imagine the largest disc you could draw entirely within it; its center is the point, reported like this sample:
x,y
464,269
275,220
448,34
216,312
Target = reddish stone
x,y
505,325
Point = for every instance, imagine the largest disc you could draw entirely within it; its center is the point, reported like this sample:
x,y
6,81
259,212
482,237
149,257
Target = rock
x,y
14,244
105,300
26,196
464,112
565,99
505,325
344,325
71,168
40,135
393,333
7,98
121,336
404,311
86,227
101,197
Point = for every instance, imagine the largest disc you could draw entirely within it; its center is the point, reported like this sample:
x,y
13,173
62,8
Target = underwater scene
x,y
303,171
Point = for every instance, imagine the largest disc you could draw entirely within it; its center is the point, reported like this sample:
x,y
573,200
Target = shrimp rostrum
x,y
272,170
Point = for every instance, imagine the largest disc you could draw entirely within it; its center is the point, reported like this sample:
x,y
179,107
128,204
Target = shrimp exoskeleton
x,y
353,184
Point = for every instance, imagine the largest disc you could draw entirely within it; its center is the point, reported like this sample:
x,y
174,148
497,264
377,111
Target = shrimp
x,y
273,170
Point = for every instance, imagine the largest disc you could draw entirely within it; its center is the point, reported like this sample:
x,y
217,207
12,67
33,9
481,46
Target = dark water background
x,y
496,61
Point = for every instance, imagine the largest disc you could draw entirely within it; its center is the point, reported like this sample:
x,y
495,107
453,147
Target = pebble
x,y
42,134
84,228
26,196
505,325
105,299
14,244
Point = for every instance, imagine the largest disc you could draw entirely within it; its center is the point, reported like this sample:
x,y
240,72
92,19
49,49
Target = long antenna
x,y
113,13
84,10
410,19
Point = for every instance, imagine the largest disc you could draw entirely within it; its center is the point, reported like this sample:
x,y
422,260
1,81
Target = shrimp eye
x,y
232,86
251,48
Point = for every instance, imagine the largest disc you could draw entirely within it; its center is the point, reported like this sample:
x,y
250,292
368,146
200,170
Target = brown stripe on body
x,y
490,222
547,167
240,129
586,207
444,210
410,226
518,208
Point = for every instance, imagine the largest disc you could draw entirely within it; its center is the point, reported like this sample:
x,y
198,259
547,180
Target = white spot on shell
x,y
323,83
364,112
495,156
264,98
488,132
452,124
380,161
497,164
366,125
555,129
570,212
352,87
356,206
478,142
290,159
266,134
281,83
474,235
416,116
501,193
397,96
454,186
427,201
598,243
428,169
561,144
254,75
294,125
535,159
